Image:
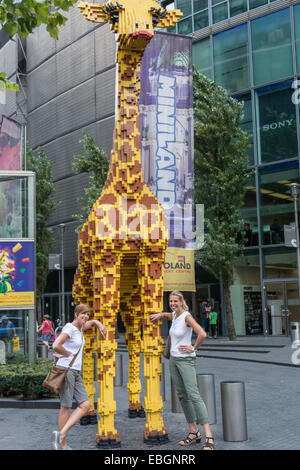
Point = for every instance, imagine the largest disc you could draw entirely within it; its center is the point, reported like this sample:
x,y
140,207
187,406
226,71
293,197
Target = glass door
x,y
282,306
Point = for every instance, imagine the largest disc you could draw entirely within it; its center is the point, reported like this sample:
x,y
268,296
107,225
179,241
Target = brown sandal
x,y
208,444
194,440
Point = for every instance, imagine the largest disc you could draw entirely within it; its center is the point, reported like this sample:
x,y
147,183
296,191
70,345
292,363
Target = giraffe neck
x,y
126,162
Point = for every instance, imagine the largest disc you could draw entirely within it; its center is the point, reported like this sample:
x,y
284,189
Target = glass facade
x,y
209,12
231,59
272,47
258,63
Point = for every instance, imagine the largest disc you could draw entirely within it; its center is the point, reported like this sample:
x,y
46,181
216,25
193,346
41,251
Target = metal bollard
x,y
295,332
118,379
206,386
176,405
234,411
42,351
163,383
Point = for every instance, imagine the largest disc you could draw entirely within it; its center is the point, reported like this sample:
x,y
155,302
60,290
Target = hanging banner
x,y
16,274
179,273
166,113
10,144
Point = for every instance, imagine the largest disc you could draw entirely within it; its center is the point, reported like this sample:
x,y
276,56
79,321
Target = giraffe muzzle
x,y
143,34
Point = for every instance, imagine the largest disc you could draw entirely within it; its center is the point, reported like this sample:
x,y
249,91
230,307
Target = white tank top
x,y
180,335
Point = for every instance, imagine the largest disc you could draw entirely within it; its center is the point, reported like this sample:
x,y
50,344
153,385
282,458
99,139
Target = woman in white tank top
x,y
182,368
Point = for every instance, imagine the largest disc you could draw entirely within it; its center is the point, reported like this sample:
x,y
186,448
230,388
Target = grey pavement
x,y
272,390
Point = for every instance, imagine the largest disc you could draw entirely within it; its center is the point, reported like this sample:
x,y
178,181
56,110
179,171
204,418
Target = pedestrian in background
x,y
213,324
203,319
7,330
207,312
182,368
47,330
68,344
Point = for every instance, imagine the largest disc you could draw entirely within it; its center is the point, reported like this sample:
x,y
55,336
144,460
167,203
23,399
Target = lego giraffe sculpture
x,y
122,244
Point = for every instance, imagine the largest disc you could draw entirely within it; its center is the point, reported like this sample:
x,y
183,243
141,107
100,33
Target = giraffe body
x,y
122,245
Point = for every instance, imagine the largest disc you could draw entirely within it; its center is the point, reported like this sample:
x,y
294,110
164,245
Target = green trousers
x,y
183,374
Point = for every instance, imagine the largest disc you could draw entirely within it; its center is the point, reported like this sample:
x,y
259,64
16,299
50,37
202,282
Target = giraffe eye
x,y
155,20
114,17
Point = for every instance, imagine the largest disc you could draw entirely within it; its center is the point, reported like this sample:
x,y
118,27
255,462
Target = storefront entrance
x,y
281,306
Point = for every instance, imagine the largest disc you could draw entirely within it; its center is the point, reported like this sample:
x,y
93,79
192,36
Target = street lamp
x,y
62,228
294,191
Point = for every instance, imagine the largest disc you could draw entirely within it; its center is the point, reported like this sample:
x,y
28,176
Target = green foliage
x,y
95,161
44,207
18,377
23,16
221,173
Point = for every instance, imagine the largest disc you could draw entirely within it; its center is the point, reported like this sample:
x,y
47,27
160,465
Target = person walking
x,y
70,343
213,324
47,330
182,368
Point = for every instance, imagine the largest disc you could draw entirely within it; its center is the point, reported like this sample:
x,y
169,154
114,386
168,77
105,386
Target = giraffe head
x,y
133,20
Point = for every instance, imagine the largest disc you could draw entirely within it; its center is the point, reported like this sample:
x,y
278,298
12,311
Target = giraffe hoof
x,y
156,440
89,419
136,413
108,444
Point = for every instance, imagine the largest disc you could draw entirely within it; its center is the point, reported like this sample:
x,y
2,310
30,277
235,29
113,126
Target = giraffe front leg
x,y
155,432
88,376
83,293
106,308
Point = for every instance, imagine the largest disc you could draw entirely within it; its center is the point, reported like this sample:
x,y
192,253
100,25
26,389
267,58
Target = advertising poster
x,y
179,273
166,113
10,144
11,208
16,273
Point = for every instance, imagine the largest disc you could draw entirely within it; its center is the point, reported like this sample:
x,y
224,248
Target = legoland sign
x,y
179,273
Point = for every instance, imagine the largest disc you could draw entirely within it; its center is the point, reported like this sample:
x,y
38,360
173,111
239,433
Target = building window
x,y
220,12
200,5
237,7
201,20
247,122
249,215
231,59
185,6
297,35
276,123
279,263
201,56
257,3
185,26
272,47
277,207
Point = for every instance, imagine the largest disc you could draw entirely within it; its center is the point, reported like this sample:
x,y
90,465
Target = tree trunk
x,y
230,322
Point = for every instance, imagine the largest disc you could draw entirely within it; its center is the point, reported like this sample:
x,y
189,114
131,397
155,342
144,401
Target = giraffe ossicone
x,y
122,244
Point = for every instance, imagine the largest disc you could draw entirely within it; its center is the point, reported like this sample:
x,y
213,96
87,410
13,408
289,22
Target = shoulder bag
x,y
57,375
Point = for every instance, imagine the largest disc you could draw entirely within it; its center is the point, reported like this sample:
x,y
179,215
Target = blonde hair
x,y
179,294
82,308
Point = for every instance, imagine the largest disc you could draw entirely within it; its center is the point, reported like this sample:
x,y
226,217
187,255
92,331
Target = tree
x,y
44,207
96,162
23,16
221,174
